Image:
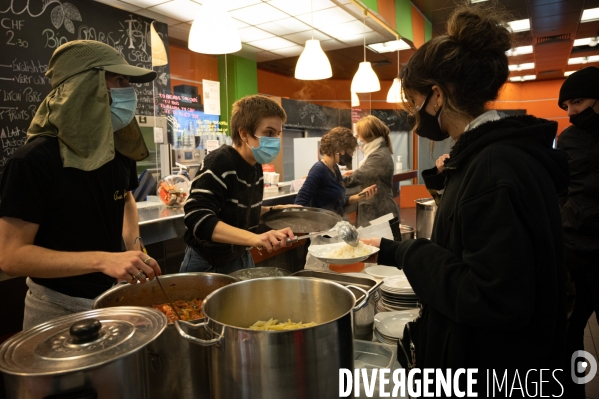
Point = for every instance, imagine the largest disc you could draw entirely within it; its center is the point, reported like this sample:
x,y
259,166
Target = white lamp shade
x,y
394,95
355,100
365,80
213,30
313,63
159,56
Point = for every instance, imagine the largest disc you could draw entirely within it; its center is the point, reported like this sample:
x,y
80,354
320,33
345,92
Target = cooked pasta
x,y
274,325
348,252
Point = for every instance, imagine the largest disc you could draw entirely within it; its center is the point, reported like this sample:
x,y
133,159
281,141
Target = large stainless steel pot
x,y
98,354
302,363
177,369
425,217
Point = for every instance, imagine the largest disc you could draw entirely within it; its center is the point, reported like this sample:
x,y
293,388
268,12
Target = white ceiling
x,y
271,29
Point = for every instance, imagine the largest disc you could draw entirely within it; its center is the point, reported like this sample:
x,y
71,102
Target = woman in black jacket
x,y
492,277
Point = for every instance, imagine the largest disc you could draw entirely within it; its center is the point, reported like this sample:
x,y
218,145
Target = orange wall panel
x,y
417,27
409,194
539,98
387,11
329,92
186,65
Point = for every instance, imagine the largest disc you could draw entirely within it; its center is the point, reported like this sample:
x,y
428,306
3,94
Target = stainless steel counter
x,y
158,223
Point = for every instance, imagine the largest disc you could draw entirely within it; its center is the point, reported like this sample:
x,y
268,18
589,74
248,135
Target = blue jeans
x,y
194,261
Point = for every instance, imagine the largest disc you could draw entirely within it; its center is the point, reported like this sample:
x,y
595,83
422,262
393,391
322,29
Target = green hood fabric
x,y
77,110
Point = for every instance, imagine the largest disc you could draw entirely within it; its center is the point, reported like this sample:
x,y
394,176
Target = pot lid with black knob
x,y
81,341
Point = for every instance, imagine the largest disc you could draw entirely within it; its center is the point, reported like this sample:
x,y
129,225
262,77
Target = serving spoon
x,y
345,230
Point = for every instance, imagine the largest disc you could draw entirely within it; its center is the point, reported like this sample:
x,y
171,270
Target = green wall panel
x,y
371,4
238,78
403,18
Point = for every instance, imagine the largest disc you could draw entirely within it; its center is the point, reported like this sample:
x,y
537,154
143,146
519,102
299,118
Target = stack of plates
x,y
397,294
389,326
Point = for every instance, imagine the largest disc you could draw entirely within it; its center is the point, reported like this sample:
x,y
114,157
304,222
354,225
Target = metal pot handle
x,y
195,340
364,301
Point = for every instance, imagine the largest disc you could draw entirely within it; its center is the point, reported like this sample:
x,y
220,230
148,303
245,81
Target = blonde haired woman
x,y
375,169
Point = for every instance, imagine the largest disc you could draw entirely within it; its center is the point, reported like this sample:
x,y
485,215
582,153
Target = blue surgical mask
x,y
122,109
268,149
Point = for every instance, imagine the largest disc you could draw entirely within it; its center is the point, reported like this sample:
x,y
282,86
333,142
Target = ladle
x,y
349,234
345,230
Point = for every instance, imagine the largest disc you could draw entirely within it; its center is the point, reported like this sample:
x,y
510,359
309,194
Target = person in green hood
x,y
65,196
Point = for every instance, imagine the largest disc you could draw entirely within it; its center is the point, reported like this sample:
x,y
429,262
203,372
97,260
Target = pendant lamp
x,y
355,100
159,57
394,95
365,80
313,63
213,30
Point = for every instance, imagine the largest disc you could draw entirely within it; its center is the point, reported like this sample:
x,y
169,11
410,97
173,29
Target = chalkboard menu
x,y
396,120
305,115
30,32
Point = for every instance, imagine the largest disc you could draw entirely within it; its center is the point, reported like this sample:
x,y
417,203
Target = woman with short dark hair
x,y
492,276
324,186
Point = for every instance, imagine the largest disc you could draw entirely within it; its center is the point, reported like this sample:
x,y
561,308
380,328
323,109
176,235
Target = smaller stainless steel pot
x,y
176,369
407,232
94,354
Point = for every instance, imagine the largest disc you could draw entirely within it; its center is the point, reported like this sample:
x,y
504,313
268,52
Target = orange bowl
x,y
349,268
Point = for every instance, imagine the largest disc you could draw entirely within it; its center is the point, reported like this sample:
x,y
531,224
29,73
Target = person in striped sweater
x,y
225,202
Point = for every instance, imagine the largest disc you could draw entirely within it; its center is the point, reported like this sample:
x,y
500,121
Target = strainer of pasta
x,y
341,253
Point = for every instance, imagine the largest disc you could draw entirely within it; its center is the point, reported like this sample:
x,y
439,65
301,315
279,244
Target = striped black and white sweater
x,y
227,189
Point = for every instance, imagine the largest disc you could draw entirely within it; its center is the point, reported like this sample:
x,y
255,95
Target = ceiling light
x,y
519,51
582,42
159,56
213,30
568,73
593,41
388,47
522,78
313,63
583,60
521,67
394,94
355,100
476,1
365,80
592,14
520,25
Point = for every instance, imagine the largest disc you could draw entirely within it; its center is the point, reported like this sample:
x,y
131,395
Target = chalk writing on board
x,y
30,31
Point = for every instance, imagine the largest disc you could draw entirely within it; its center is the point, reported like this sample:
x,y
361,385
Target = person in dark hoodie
x,y
580,202
492,277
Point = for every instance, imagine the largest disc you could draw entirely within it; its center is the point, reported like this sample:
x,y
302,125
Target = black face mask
x,y
587,119
429,125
